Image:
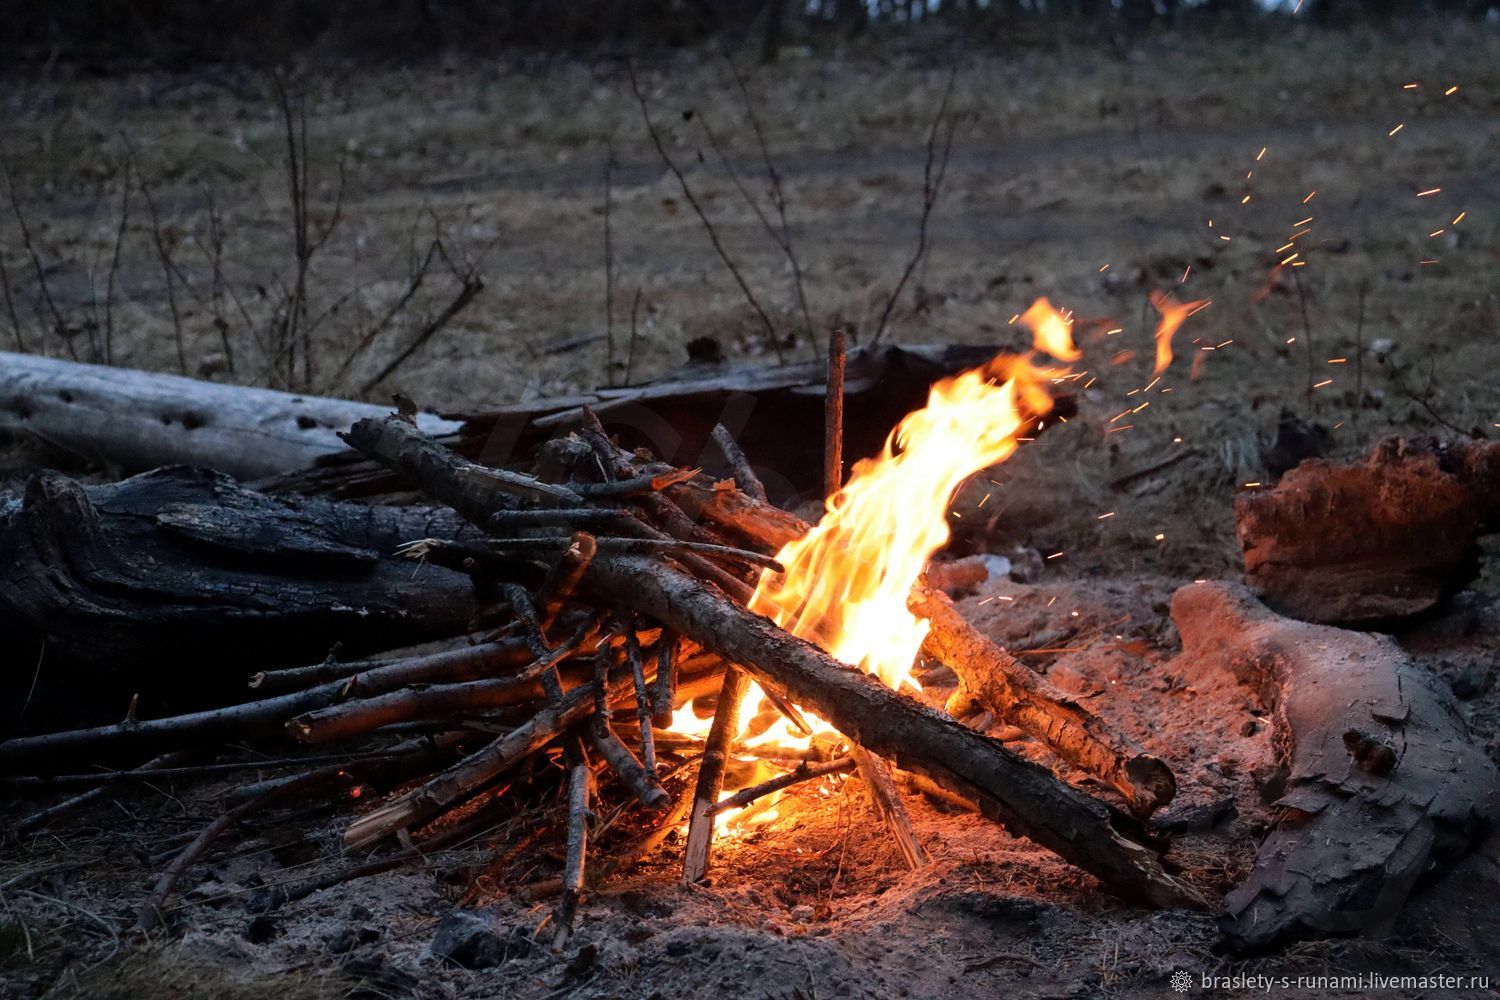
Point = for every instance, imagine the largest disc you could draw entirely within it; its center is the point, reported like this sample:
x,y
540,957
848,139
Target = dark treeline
x,y
177,34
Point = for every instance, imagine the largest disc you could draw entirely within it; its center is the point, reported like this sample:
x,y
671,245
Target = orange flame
x,y
1051,331
846,581
1172,316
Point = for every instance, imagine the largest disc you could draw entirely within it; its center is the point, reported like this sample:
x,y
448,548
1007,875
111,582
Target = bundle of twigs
x,y
624,582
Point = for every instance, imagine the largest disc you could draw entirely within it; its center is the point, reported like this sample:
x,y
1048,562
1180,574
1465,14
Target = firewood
x,y
1018,695
1025,796
1005,685
1353,841
255,718
711,775
580,779
642,697
745,478
806,771
364,715
664,688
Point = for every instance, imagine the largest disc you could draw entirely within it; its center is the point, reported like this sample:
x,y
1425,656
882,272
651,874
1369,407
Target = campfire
x,y
666,653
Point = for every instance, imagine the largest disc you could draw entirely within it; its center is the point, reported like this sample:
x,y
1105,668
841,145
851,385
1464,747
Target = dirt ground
x,y
1082,172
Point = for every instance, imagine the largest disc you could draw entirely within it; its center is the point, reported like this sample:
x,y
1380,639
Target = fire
x,y
845,583
1173,314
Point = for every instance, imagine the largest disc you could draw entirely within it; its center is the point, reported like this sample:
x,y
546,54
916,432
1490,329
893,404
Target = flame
x,y
1051,331
1172,316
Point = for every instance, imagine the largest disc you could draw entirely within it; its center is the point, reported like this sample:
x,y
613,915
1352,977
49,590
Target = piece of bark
x,y
149,574
1373,540
1021,697
1352,842
135,420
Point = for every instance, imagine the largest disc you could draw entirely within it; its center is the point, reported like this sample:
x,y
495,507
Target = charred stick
x,y
331,669
639,546
257,718
72,803
642,782
642,697
833,415
564,577
471,774
576,518
364,715
579,778
711,774
664,689
531,626
635,485
744,476
805,771
166,772
1021,697
151,914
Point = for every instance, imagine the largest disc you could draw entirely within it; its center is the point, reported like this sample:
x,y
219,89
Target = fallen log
x,y
1373,540
1360,827
136,420
143,576
1027,798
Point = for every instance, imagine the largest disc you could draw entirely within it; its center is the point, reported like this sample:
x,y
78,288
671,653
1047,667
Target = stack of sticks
x,y
625,584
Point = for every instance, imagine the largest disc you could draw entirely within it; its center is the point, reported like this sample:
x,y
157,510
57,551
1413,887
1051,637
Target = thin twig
x,y
805,771
721,736
745,479
708,226
833,415
933,172
579,779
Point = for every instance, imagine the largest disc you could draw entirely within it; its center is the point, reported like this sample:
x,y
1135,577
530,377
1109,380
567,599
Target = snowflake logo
x,y
1182,981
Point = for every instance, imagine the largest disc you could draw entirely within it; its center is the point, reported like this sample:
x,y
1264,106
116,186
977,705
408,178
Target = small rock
x,y
476,940
803,913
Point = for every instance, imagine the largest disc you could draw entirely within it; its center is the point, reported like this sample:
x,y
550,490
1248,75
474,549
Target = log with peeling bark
x,y
136,420
1025,796
1373,540
1383,784
145,575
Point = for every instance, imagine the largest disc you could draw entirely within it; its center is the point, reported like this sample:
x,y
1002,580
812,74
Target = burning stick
x,y
711,774
805,771
876,775
664,690
1019,696
642,697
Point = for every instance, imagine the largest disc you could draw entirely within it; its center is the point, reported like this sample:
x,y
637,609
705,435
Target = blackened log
x,y
180,578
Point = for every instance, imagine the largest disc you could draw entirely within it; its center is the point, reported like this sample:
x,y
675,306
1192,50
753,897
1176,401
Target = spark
x,y
1114,430
1309,197
1104,268
1291,340
1436,232
1261,153
1458,218
1284,249
1111,333
1326,381
1299,263
1304,221
1429,260
1451,91
1247,485
1300,233
1055,555
1226,239
1186,274
1396,129
1161,537
1338,361
1428,193
1291,258
1103,516
1245,200
984,501
1411,86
